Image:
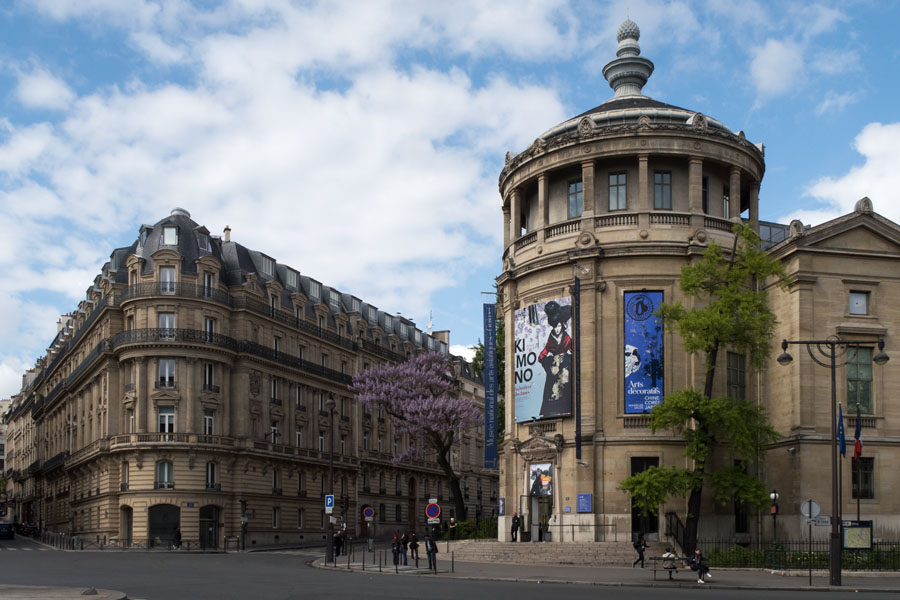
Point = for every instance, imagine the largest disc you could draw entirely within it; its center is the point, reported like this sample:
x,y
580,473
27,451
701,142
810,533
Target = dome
x,y
628,29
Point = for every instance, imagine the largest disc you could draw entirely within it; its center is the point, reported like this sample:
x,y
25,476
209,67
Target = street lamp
x,y
825,353
329,404
774,496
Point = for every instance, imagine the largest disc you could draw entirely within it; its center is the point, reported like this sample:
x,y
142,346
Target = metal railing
x,y
799,555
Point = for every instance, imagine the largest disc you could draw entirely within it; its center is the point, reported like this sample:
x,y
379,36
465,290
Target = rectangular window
x,y
576,198
321,441
211,475
334,300
166,416
203,241
209,377
275,517
292,279
705,195
298,399
209,421
662,190
268,266
859,303
343,443
299,437
209,328
859,379
276,344
299,518
170,236
315,289
388,326
209,284
300,353
130,421
166,372
164,476
274,434
737,376
863,477
166,323
617,188
726,202
167,280
354,305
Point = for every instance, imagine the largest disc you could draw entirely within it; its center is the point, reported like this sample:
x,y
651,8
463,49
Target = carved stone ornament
x,y
585,126
863,205
539,449
537,146
255,383
586,239
699,122
508,158
796,228
643,122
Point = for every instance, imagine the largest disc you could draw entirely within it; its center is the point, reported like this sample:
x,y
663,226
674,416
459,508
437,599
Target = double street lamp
x,y
825,353
329,404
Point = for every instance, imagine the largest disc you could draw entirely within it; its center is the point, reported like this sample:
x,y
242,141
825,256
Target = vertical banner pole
x,y
576,364
490,386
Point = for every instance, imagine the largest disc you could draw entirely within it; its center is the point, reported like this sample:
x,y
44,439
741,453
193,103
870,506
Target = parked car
x,y
6,530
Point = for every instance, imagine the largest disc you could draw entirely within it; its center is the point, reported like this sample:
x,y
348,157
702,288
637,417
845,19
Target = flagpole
x,y
841,464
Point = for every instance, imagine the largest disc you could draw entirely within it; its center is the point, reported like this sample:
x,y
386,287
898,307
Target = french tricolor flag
x,y
857,448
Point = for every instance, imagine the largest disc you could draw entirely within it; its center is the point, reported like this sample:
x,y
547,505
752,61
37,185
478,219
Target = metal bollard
x,y
364,561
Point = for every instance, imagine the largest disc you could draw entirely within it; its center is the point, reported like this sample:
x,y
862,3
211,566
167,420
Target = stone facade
x,y
621,198
194,377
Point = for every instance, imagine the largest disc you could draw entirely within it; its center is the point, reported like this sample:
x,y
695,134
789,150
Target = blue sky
x,y
360,142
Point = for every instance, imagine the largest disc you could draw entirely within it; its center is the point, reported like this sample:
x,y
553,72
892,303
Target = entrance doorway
x,y
646,524
209,527
164,520
126,524
411,508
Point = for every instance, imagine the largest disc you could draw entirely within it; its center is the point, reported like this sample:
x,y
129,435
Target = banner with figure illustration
x,y
542,371
540,479
643,352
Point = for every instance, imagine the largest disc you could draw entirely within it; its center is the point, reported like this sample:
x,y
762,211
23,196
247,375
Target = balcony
x,y
213,487
160,384
275,401
208,387
129,387
276,491
123,487
301,494
163,485
345,419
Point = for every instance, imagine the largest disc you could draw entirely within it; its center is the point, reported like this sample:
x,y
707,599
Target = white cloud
x,y
155,48
834,102
40,89
465,351
876,177
776,67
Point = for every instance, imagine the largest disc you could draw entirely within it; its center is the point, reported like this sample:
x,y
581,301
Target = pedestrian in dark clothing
x,y
452,528
338,543
698,564
395,548
515,527
431,551
414,547
177,543
404,547
640,545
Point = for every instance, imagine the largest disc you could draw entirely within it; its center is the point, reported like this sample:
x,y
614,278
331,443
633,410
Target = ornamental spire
x,y
628,72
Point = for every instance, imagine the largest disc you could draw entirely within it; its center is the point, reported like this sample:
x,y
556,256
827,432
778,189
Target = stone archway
x,y
163,521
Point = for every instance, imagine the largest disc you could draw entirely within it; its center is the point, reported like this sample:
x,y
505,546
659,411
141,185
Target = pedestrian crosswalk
x,y
13,549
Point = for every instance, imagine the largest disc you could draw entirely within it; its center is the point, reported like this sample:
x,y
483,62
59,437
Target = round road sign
x,y
433,511
810,509
368,512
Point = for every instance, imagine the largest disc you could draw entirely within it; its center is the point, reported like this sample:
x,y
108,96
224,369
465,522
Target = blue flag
x,y
840,424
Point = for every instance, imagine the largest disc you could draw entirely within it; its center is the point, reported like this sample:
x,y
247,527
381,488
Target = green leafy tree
x,y
478,367
724,437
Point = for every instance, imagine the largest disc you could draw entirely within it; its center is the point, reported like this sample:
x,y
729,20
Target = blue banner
x,y
490,387
643,352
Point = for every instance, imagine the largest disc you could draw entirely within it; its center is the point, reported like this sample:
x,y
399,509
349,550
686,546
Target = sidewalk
x,y
616,576
28,592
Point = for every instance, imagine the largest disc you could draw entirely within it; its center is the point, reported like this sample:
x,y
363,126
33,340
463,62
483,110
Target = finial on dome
x,y
628,73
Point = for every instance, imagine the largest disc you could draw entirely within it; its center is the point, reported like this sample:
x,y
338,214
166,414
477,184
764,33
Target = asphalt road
x,y
278,576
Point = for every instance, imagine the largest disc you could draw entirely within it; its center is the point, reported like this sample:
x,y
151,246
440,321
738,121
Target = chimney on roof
x,y
227,233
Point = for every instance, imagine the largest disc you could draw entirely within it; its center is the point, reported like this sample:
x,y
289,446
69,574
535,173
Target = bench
x,y
669,564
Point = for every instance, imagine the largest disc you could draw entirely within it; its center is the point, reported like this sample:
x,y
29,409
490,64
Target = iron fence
x,y
798,554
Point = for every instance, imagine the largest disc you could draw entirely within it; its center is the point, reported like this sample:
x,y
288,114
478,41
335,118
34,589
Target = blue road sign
x,y
329,501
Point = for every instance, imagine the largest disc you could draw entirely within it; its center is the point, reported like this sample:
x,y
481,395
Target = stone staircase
x,y
598,554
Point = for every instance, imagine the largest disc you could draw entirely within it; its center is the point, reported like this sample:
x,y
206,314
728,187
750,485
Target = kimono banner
x,y
542,372
643,352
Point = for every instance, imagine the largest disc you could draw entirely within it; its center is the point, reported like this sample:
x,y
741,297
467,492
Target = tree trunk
x,y
453,483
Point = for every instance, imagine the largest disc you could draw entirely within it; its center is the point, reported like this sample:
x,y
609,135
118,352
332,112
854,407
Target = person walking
x,y
395,548
404,547
640,545
414,547
338,543
698,564
431,551
452,528
177,543
515,527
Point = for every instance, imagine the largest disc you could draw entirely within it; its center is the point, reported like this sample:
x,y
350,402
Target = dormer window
x,y
268,266
143,237
354,305
403,330
292,279
170,236
387,323
203,241
335,301
315,289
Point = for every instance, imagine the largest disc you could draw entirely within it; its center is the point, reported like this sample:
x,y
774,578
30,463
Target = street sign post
x,y
329,504
433,512
810,509
369,513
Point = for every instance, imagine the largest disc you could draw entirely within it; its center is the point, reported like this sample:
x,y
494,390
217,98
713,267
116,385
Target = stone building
x,y
615,202
190,388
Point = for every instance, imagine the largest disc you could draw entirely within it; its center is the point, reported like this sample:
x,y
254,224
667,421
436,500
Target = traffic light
x,y
345,504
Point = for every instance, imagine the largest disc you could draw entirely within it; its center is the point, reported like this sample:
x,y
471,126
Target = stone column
x,y
587,182
643,204
695,192
734,190
142,391
543,205
754,206
506,226
515,210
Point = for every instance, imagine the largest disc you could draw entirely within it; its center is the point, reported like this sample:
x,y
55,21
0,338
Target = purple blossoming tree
x,y
422,399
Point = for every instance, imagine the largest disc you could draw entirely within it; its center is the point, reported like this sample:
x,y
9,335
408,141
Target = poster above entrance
x,y
643,351
541,478
543,360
